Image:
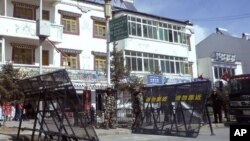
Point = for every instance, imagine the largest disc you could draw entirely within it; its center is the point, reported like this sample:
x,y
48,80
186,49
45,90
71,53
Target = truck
x,y
239,97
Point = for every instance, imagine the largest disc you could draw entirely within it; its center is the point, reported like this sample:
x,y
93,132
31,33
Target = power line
x,y
222,18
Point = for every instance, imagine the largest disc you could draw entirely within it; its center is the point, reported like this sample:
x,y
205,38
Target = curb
x,y
119,131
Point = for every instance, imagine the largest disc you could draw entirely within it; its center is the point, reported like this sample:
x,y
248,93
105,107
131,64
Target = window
x,y
25,11
70,22
70,61
70,58
100,63
216,75
46,15
138,61
45,57
99,29
23,54
219,71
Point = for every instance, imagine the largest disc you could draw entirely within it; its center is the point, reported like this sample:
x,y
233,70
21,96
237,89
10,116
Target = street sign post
x,y
118,28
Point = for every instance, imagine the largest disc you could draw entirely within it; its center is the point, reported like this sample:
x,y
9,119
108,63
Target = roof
x,y
119,9
215,42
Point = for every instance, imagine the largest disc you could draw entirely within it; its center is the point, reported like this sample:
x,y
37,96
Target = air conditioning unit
x,y
43,28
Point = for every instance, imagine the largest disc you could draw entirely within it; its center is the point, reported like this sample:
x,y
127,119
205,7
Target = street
x,y
221,134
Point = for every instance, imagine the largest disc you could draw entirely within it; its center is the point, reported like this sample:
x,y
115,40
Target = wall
x,y
205,68
85,40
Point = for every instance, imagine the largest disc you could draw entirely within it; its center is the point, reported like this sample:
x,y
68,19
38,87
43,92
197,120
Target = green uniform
x,y
137,105
108,103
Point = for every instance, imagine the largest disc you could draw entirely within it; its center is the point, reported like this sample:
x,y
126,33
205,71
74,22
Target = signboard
x,y
224,57
154,80
118,28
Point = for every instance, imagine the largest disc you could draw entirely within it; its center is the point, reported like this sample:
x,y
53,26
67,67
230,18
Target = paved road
x,y
221,134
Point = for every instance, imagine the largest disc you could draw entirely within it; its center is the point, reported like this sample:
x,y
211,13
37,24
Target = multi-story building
x,y
77,42
157,43
221,53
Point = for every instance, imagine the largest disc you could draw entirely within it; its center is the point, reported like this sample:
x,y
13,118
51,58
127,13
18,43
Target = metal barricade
x,y
54,95
175,110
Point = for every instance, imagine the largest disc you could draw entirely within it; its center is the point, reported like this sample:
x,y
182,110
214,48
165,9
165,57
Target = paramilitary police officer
x,y
108,103
137,105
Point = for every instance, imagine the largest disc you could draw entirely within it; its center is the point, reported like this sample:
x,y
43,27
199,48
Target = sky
x,y
206,15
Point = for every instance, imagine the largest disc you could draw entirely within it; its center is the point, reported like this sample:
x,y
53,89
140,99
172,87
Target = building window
x,y
147,28
45,57
70,61
23,54
99,30
25,11
46,15
70,58
148,62
70,22
219,71
100,63
99,27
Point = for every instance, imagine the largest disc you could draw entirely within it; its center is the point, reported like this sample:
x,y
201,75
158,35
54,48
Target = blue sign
x,y
154,79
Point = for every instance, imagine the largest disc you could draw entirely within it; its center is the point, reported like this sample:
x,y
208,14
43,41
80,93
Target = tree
x,y
118,69
9,91
120,73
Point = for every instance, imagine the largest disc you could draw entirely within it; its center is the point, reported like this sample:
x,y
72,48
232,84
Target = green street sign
x,y
118,28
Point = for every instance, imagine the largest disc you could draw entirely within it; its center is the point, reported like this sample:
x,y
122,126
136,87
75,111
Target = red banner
x,y
6,109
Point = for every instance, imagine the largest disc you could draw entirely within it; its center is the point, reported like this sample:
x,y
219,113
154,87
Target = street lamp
x,y
108,15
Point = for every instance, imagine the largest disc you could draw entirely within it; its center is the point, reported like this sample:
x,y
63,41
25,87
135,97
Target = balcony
x,y
16,27
76,76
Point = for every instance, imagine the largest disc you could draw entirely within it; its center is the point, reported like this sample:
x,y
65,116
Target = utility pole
x,y
108,16
40,40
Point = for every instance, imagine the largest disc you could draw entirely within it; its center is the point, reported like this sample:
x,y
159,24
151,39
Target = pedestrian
x,y
217,106
108,105
92,115
137,105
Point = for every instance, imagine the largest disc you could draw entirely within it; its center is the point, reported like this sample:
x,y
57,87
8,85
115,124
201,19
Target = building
x,y
221,52
161,44
77,42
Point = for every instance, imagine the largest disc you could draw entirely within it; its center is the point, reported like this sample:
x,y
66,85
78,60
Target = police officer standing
x,y
217,105
108,103
137,105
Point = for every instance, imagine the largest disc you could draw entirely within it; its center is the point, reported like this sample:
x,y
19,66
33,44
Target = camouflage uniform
x,y
137,105
108,103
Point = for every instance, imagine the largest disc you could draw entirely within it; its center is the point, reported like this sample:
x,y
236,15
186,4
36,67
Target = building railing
x,y
74,74
23,28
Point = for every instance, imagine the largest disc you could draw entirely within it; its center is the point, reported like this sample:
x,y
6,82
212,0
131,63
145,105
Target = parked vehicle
x,y
239,97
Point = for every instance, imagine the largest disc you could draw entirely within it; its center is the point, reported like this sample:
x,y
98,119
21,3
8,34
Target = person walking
x,y
137,105
108,105
217,105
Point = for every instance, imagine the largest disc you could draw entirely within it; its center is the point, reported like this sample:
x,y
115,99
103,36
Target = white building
x,y
221,52
157,43
77,42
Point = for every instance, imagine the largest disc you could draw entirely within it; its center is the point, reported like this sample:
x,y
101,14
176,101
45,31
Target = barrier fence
x,y
54,95
175,110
